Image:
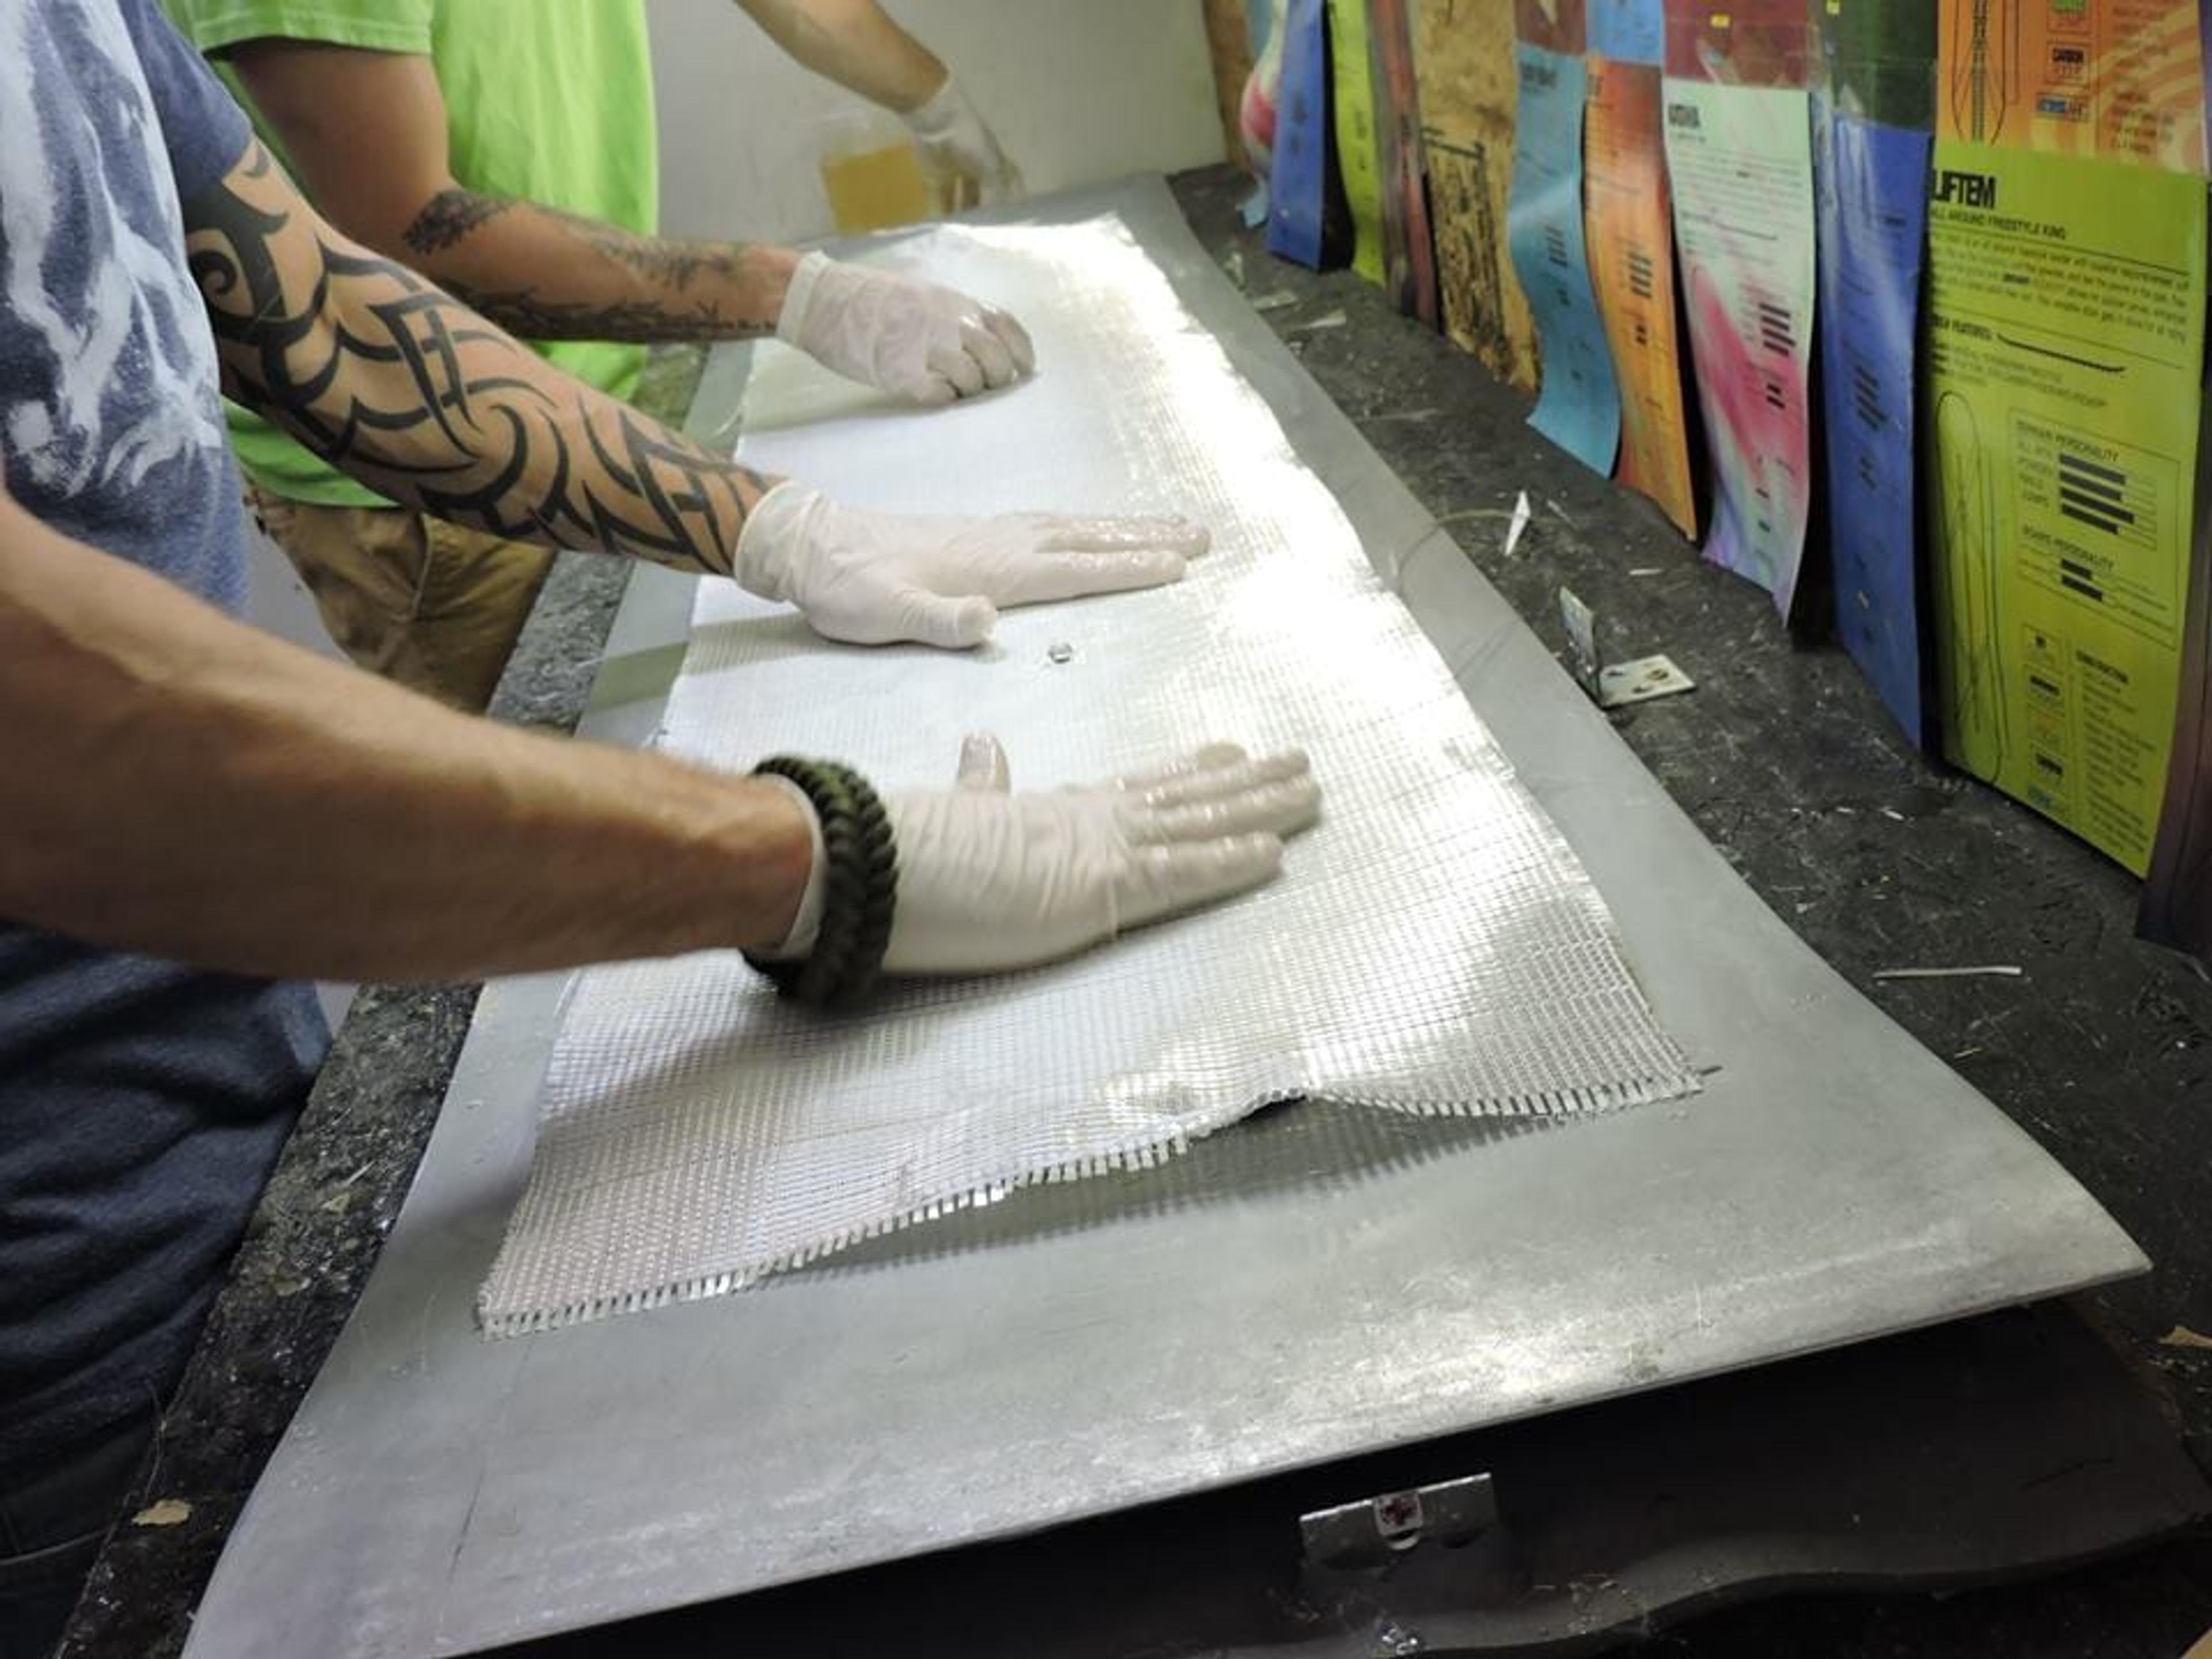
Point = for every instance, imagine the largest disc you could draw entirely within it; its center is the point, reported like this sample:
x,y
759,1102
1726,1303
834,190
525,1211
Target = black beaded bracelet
x,y
860,887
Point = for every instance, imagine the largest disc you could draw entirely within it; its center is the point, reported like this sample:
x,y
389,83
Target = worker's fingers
x,y
1155,882
1277,809
1049,576
1215,783
950,624
983,766
1056,533
1211,757
960,370
989,352
1012,334
931,390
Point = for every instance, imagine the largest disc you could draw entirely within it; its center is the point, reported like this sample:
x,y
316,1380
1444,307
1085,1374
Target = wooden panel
x,y
1409,251
1463,55
1229,43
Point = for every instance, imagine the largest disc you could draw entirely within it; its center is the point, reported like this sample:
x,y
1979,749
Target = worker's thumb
x,y
949,624
982,765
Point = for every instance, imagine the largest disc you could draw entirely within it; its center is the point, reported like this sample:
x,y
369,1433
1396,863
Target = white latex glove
x,y
989,880
960,153
877,578
916,340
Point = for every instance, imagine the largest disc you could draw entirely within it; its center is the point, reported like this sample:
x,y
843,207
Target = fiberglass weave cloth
x,y
1432,946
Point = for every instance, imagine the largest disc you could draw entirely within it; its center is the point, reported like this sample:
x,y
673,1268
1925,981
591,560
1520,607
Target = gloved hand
x,y
913,339
989,880
875,578
961,153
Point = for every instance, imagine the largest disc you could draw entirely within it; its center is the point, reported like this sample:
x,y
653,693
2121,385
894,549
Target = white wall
x,y
1078,91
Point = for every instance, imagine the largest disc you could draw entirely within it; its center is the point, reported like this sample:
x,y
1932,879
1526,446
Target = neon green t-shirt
x,y
547,99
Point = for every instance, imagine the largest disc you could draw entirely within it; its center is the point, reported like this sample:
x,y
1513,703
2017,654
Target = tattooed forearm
x,y
450,215
401,384
530,314
666,262
600,282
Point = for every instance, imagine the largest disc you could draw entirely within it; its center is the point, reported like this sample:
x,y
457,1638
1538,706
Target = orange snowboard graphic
x,y
2119,79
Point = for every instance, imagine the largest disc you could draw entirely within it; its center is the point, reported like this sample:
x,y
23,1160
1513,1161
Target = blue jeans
x,y
52,1521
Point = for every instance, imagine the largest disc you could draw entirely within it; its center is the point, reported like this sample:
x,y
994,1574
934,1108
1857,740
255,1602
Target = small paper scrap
x,y
2182,1337
1522,514
169,1512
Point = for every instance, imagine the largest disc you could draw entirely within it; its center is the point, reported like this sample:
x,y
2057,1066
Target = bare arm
x,y
179,783
367,131
399,384
856,43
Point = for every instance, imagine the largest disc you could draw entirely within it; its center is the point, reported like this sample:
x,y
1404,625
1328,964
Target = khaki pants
x,y
425,603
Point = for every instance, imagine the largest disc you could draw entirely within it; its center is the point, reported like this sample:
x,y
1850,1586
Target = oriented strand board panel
x,y
1463,55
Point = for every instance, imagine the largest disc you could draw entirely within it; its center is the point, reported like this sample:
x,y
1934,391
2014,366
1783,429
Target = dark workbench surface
x,y
2102,1049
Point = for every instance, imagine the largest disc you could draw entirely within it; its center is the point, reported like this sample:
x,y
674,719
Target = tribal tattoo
x,y
688,281
449,215
534,317
399,384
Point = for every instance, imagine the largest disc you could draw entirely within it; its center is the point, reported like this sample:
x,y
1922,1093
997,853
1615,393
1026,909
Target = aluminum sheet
x,y
1086,1348
1432,945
